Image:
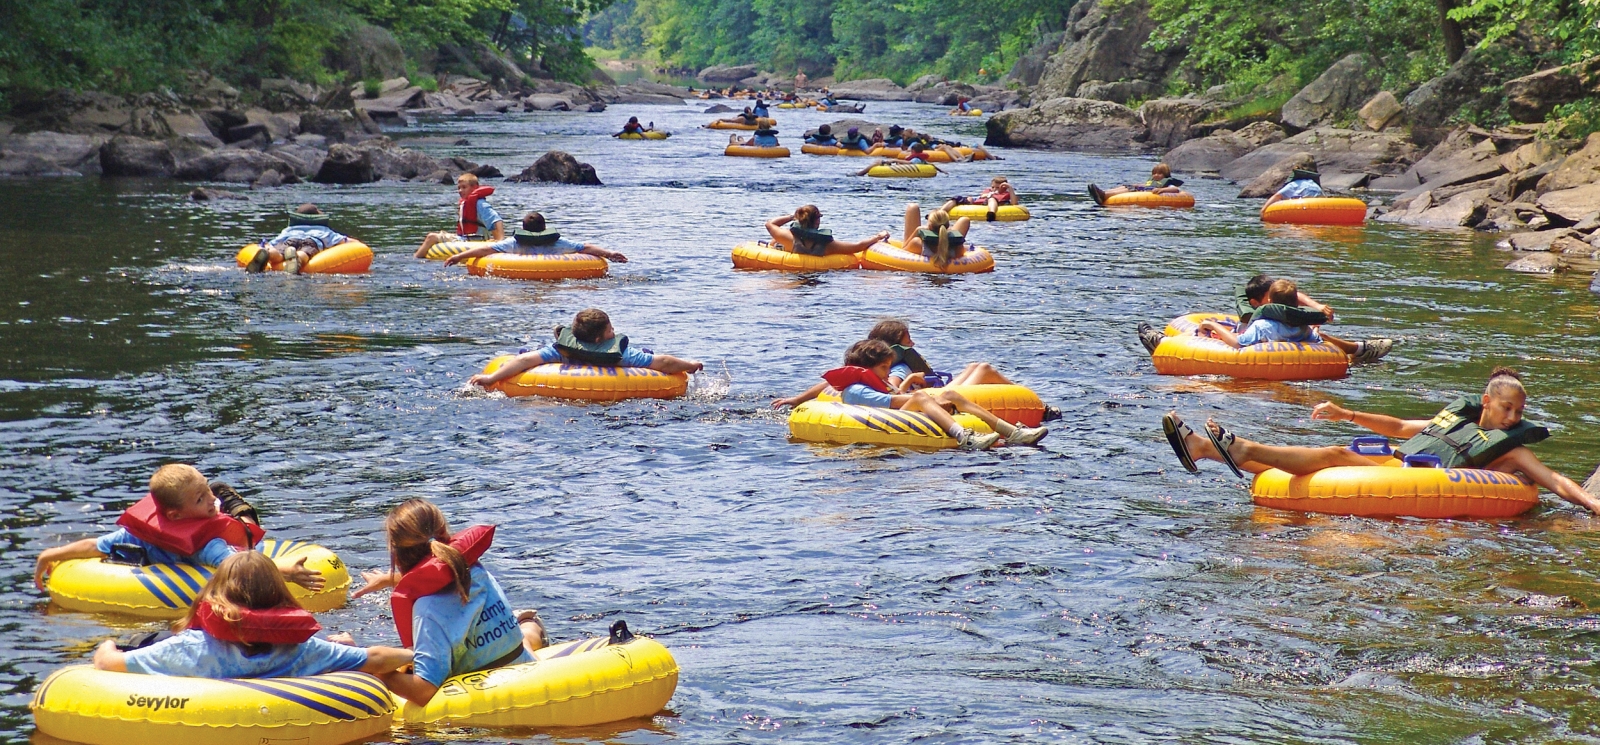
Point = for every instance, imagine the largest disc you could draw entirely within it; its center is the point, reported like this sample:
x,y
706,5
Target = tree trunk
x,y
1454,44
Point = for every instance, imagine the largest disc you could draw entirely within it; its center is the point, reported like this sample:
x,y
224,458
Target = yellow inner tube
x,y
846,424
810,149
1385,489
1150,199
1012,403
575,684
538,266
980,212
350,257
442,251
85,705
589,382
1317,211
891,257
1184,353
647,135
973,112
167,590
767,256
752,151
903,170
720,124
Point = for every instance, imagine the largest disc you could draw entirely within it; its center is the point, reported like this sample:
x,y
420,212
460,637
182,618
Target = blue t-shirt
x,y
900,370
487,217
322,234
210,554
455,638
1300,189
196,654
862,394
631,357
765,141
1262,330
561,246
816,139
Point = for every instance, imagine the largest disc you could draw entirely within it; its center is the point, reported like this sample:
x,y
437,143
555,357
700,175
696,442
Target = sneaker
x,y
291,261
990,216
1026,435
1051,413
1372,350
1099,195
233,502
1150,337
259,261
970,440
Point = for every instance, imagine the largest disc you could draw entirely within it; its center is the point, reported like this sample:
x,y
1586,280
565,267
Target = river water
x,y
1086,591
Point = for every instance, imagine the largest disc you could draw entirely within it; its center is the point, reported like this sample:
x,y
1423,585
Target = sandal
x,y
1176,430
1221,440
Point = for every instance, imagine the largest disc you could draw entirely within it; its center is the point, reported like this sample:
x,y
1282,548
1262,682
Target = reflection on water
x,y
1088,591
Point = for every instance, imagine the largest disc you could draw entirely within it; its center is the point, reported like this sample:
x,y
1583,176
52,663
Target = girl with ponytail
x,y
447,607
940,239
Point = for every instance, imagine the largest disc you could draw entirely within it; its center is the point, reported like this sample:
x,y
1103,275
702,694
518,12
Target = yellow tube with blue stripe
x,y
848,424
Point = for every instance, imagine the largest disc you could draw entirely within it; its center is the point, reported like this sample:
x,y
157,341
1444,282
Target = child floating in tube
x,y
1161,182
590,341
534,239
1304,183
473,215
802,233
307,235
1255,306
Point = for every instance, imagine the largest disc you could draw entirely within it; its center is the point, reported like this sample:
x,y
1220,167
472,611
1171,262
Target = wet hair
x,y
633,120
939,221
418,532
1161,170
470,179
890,331
1284,292
825,130
917,147
590,324
1256,288
808,216
533,222
1503,380
868,353
247,580
307,209
172,484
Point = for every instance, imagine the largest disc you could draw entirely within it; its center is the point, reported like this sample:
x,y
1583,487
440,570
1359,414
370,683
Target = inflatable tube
x,y
350,257
934,156
902,170
891,257
537,266
973,112
442,251
82,704
575,684
589,382
1012,403
803,105
720,124
810,149
1184,353
846,424
647,135
1150,199
751,151
1385,489
1317,211
767,256
167,590
980,212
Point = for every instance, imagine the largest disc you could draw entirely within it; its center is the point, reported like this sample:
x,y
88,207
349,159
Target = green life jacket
x,y
811,241
1455,437
911,358
296,219
1288,314
930,238
541,238
606,353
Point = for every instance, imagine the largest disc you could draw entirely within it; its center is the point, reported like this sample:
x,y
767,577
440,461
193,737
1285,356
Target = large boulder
x,y
1379,111
1568,206
726,73
51,154
1169,120
389,105
1212,152
1539,263
1069,124
133,156
346,164
234,165
1031,65
1121,91
1462,210
558,167
546,102
1335,150
369,52
944,93
1577,169
1531,97
1105,40
335,126
872,89
1270,180
1339,90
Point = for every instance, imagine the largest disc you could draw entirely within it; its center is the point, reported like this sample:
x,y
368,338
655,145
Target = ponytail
x,y
452,558
418,530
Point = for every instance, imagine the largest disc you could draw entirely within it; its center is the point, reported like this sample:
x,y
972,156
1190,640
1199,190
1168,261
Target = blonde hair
x,y
998,180
470,179
939,221
1161,170
417,532
247,580
173,482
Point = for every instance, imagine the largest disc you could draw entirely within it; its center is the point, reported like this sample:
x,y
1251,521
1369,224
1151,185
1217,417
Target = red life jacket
x,y
844,377
186,537
467,223
433,575
270,626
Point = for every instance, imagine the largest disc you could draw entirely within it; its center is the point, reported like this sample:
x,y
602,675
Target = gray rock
x,y
596,107
51,154
237,166
1169,120
719,109
132,156
347,164
1378,112
558,167
1568,206
202,194
1531,98
1577,169
269,178
334,126
1539,263
1436,101
1273,177
1570,246
369,52
1462,210
1588,223
1463,147
249,132
1031,65
283,94
1537,241
1339,183
1121,91
873,89
546,102
1336,92
1533,154
1335,151
1105,40
1069,124
1594,287
1207,153
389,105
926,81
726,73
944,93
189,126
1398,182
1001,100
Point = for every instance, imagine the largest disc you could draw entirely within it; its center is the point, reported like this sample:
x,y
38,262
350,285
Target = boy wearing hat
x,y
307,235
1303,183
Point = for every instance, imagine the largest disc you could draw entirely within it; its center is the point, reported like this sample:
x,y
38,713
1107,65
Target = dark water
x,y
1088,591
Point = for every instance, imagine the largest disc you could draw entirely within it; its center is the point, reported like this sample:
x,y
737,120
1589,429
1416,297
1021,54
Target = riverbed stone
x,y
1531,98
1069,124
1577,169
725,73
558,167
1337,91
1379,111
1208,153
1436,101
1539,263
1462,210
872,89
1271,179
546,102
369,52
134,156
1169,120
51,154
346,164
233,165
1568,206
718,108
1335,150
1540,240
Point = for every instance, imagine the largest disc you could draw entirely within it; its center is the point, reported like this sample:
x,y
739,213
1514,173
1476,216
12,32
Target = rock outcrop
x,y
725,73
369,52
872,89
1335,150
1170,121
1270,180
559,167
134,156
1031,65
1105,41
1380,110
1531,97
1336,93
1069,124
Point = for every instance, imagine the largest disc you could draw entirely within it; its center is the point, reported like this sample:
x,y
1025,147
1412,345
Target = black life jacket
x,y
930,238
541,238
296,219
911,358
811,241
606,353
1288,314
1456,439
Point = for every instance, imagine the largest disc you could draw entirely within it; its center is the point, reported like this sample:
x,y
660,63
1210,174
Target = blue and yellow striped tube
x,y
167,590
828,421
96,707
